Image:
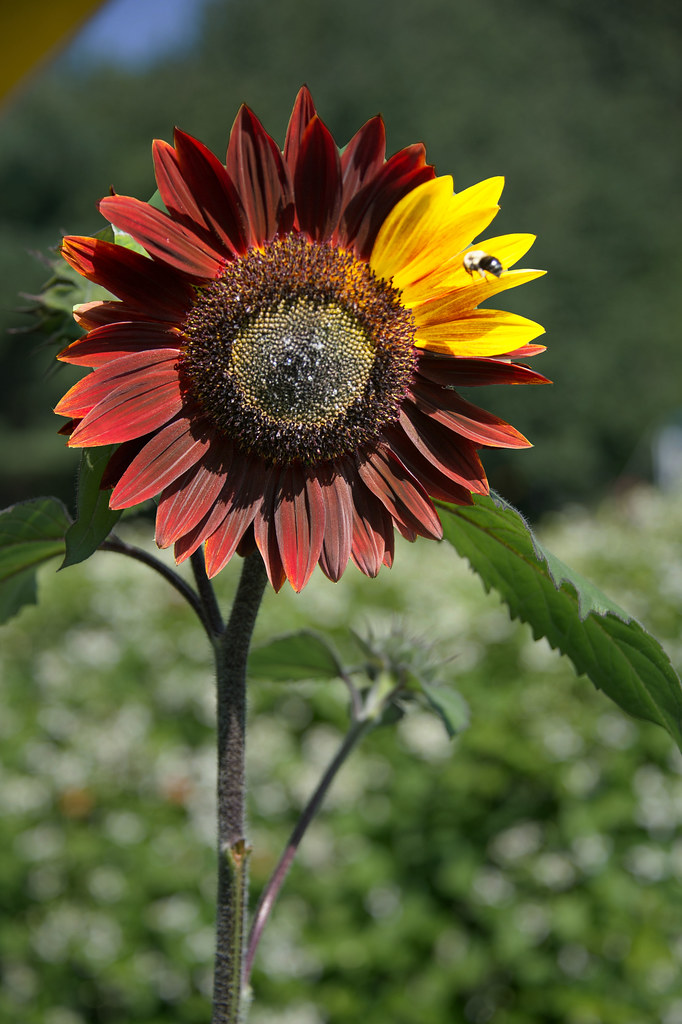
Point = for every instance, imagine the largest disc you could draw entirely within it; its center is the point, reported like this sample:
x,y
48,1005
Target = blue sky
x,y
137,32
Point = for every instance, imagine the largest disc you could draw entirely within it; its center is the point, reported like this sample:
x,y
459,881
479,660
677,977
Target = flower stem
x,y
232,649
270,893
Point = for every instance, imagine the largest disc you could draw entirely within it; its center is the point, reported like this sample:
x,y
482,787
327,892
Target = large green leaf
x,y
30,533
296,656
602,641
95,519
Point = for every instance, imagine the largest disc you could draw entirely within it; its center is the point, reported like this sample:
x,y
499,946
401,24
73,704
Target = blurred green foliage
x,y
531,870
575,102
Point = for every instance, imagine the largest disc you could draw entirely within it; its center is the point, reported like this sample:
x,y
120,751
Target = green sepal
x,y
157,202
449,705
95,520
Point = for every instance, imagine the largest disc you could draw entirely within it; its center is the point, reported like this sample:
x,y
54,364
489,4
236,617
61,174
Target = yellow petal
x,y
508,249
468,214
429,226
411,222
450,305
484,332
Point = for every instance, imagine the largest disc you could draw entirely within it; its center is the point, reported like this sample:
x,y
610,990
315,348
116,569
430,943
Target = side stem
x,y
172,577
232,649
272,889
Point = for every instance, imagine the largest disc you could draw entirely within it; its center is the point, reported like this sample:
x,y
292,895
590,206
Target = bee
x,y
479,260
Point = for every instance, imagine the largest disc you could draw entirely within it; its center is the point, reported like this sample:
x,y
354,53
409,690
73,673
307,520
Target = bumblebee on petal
x,y
281,369
481,261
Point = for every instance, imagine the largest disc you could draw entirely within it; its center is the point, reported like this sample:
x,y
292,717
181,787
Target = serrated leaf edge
x,y
566,585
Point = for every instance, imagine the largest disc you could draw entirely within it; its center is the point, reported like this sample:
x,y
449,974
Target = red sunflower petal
x,y
301,116
146,399
450,453
401,493
317,182
123,417
216,515
247,545
435,483
363,157
113,341
241,500
373,536
89,315
132,372
265,535
214,191
255,165
338,531
120,460
480,426
160,291
405,532
186,501
449,371
162,237
176,195
167,456
365,214
299,514
526,351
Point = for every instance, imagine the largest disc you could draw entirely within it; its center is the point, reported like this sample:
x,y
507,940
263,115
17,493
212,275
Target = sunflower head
x,y
282,368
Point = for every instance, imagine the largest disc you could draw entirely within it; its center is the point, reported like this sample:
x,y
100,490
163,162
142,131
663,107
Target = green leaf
x,y
450,707
16,592
296,656
95,519
30,533
127,241
602,641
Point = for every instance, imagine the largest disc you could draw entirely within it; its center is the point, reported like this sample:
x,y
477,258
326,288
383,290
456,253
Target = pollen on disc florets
x,y
299,352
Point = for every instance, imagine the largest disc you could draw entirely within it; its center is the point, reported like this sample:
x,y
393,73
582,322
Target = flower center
x,y
299,352
302,361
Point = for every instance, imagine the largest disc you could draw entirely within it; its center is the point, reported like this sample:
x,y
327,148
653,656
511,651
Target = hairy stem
x,y
272,889
232,649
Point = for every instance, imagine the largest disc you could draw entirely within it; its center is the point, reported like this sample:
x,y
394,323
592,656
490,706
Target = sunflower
x,y
282,368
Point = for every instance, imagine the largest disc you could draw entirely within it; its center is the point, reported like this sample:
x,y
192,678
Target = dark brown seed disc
x,y
299,352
